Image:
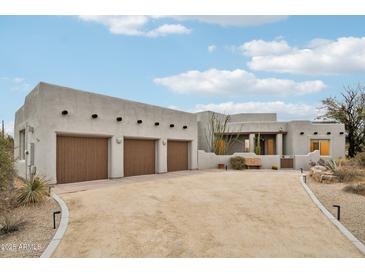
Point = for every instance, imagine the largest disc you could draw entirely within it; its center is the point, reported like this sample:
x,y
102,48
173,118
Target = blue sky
x,y
226,63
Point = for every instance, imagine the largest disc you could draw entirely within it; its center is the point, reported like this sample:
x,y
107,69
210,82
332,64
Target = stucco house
x,y
70,135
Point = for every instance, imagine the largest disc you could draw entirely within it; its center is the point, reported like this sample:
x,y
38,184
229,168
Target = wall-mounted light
x,y
315,133
94,116
139,121
64,112
341,133
328,133
119,119
157,124
302,133
185,127
172,125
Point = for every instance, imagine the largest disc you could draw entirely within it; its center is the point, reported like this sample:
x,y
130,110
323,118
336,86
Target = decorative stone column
x,y
251,138
279,144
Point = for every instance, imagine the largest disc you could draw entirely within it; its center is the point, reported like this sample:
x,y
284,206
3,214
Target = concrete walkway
x,y
198,214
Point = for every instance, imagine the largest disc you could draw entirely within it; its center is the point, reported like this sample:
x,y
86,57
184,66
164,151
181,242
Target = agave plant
x,y
332,166
33,191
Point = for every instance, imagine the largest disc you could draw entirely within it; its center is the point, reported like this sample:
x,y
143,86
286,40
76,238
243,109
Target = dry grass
x,y
348,174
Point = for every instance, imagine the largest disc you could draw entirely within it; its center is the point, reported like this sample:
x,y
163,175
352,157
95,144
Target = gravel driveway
x,y
199,214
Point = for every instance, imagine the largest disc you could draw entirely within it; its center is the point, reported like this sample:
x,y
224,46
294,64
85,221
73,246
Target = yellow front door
x,y
270,147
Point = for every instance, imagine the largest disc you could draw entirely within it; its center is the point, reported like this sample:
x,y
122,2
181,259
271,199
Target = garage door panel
x,y
139,157
81,159
177,155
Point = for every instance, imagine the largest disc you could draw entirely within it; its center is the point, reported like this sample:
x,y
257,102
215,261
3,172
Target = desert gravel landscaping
x,y
34,236
352,205
199,214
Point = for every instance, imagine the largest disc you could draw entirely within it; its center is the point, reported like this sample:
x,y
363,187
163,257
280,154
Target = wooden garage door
x,y
81,159
177,155
139,157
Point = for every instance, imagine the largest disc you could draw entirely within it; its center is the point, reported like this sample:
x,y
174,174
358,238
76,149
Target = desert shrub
x,y
9,224
7,170
274,168
33,191
355,188
347,174
332,166
237,162
360,159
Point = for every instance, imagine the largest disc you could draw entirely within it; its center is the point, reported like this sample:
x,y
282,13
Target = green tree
x,y
349,110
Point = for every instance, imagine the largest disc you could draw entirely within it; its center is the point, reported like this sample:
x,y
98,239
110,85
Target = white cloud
x,y
168,29
321,56
234,20
135,25
260,47
16,83
235,82
286,111
212,48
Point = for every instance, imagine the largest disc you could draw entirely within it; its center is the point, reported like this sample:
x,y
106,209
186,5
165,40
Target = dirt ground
x,y
200,214
36,233
352,205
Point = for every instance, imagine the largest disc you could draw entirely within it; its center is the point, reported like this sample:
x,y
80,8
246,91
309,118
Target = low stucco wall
x,y
208,160
302,161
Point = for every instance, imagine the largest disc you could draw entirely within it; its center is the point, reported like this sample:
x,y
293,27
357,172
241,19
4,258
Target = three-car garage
x,y
85,158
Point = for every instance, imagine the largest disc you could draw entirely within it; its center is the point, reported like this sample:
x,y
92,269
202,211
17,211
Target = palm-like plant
x,y
33,191
332,166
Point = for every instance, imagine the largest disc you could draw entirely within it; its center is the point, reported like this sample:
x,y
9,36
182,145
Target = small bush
x,y
274,167
355,188
347,174
7,170
360,159
33,191
10,224
237,162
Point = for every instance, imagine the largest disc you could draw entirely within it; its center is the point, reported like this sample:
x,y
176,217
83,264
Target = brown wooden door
x,y
139,157
81,159
177,155
270,147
